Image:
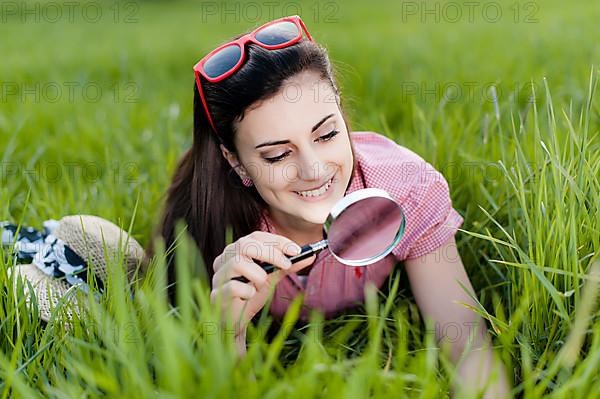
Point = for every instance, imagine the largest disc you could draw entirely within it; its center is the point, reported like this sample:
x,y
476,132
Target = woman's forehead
x,y
284,118
297,91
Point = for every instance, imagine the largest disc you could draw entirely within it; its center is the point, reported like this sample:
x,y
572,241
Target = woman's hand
x,y
241,301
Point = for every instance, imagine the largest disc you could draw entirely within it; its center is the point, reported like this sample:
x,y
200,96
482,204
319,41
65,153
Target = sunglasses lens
x,y
279,33
221,62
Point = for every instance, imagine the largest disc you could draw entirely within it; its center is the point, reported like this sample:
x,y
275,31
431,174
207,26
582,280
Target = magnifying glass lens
x,y
365,229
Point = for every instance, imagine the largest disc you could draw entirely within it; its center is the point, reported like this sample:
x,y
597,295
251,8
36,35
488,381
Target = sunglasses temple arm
x,y
305,30
204,102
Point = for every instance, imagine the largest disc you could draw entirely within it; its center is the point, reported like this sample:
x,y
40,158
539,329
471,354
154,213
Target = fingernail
x,y
296,249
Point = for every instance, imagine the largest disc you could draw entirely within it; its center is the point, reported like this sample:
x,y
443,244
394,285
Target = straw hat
x,y
86,240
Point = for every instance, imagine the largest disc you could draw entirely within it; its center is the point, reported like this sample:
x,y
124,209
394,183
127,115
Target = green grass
x,y
524,171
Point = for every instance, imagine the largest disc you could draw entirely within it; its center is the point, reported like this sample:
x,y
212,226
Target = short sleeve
x,y
421,191
430,218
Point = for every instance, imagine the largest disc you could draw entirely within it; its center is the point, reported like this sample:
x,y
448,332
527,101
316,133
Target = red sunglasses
x,y
223,61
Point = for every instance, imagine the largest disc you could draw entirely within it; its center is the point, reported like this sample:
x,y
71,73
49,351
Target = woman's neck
x,y
309,234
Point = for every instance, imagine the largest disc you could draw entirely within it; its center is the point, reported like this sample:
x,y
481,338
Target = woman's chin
x,y
319,216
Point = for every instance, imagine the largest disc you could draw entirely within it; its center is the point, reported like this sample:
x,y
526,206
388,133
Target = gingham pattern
x,y
430,222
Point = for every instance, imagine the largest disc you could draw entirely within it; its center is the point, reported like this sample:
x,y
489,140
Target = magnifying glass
x,y
362,228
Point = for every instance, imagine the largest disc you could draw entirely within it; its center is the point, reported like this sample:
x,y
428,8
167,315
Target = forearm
x,y
240,343
481,371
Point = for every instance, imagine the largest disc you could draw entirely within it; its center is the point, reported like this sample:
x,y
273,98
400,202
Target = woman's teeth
x,y
317,192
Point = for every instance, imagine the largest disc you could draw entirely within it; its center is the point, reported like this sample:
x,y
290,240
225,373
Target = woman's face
x,y
294,143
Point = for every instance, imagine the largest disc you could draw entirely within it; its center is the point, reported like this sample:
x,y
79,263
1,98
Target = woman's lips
x,y
327,187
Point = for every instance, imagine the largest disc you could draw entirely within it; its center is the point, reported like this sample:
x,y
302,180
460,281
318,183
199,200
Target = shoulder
x,y
420,189
388,165
375,147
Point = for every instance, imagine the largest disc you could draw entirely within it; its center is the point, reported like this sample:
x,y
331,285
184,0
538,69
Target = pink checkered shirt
x,y
430,222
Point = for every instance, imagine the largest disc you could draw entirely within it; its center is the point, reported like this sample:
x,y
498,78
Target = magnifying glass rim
x,y
356,196
352,198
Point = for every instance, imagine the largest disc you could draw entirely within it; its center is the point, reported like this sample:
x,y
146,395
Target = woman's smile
x,y
319,193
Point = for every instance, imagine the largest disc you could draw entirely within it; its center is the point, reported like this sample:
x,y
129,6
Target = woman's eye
x,y
277,158
325,137
329,135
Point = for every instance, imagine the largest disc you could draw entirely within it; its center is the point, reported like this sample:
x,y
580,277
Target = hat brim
x,y
48,291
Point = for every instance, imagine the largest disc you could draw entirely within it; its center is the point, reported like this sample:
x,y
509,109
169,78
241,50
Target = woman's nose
x,y
311,166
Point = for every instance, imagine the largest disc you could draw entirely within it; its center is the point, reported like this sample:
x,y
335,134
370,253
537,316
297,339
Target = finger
x,y
287,246
259,245
271,252
230,295
274,278
244,267
301,264
254,242
240,313
230,253
217,263
236,289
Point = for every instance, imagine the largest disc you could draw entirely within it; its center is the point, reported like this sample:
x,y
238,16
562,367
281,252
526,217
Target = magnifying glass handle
x,y
305,252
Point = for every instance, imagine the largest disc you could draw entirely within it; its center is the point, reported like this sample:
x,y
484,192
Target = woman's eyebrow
x,y
315,127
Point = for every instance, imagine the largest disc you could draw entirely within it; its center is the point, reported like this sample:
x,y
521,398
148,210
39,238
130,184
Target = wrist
x,y
240,342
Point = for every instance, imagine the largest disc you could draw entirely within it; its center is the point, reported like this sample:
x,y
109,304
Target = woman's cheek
x,y
279,181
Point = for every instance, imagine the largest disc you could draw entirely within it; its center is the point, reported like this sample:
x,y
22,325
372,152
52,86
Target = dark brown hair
x,y
205,192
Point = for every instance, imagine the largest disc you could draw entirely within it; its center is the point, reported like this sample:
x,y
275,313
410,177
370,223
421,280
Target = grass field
x,y
94,115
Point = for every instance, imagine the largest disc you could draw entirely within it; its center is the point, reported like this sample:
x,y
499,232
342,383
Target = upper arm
x,y
434,280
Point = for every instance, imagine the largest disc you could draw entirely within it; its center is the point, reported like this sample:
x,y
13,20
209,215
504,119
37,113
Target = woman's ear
x,y
233,161
229,156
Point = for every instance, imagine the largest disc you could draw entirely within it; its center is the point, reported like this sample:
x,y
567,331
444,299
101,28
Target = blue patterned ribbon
x,y
49,253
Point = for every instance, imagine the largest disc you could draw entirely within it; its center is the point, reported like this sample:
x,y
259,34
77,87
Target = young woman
x,y
272,153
